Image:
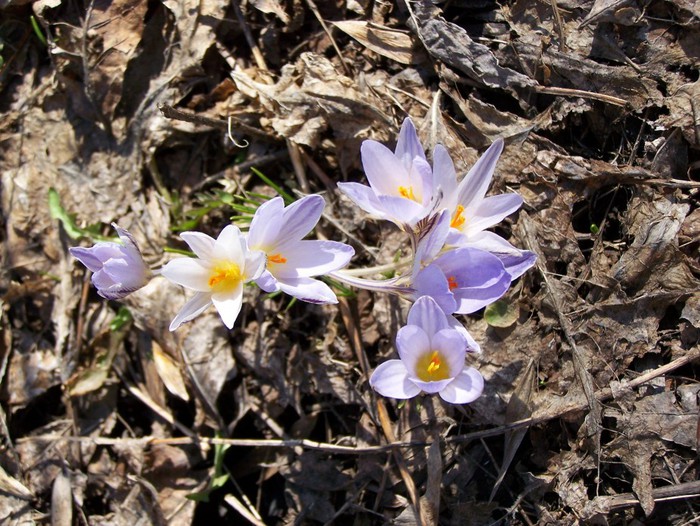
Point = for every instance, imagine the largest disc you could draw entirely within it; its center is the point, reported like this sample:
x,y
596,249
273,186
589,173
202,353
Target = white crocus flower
x,y
217,275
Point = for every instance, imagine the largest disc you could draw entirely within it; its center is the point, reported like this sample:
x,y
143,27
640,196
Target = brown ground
x,y
591,405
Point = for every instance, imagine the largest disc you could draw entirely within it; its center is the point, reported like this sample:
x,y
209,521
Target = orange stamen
x,y
276,258
225,276
458,217
407,192
452,282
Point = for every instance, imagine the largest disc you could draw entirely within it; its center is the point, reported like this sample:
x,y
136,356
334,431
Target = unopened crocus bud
x,y
118,268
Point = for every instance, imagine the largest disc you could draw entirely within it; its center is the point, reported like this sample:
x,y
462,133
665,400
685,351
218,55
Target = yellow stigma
x,y
431,367
225,276
276,258
458,217
452,282
407,193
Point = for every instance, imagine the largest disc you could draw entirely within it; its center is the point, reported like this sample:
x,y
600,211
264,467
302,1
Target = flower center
x,y
432,367
225,276
458,218
452,282
407,193
276,258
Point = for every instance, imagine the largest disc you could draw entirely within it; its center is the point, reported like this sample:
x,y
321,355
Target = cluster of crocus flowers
x,y
457,266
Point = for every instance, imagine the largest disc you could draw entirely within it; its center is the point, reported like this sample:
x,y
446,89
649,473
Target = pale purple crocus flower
x,y
461,280
292,262
118,268
432,355
216,275
472,212
401,188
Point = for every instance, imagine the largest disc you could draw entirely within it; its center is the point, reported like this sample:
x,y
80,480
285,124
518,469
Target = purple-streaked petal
x,y
412,342
364,197
230,246
453,347
431,244
408,147
266,224
428,315
465,388
311,258
491,211
299,218
86,257
229,305
385,172
201,244
131,275
308,289
472,188
431,281
196,305
188,272
391,379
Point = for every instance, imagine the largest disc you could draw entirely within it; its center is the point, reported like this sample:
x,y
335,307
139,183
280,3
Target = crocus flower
x,y
278,231
432,355
118,268
217,274
401,184
461,280
472,213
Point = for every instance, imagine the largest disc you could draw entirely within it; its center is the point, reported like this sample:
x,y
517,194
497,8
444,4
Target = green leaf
x,y
277,188
122,318
501,314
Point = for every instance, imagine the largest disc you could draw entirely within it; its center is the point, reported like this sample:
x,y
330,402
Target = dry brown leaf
x,y
390,43
169,372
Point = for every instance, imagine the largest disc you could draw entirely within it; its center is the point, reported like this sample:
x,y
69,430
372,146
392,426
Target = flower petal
x,y
254,265
201,244
491,211
132,275
229,305
385,172
472,188
412,342
430,387
391,379
408,147
472,346
190,310
266,225
466,387
428,315
452,345
431,281
477,278
308,289
299,218
432,243
230,246
267,282
86,257
311,258
515,261
364,197
444,179
188,272
402,211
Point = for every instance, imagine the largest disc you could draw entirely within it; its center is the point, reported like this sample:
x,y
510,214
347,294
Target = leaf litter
x,y
590,410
